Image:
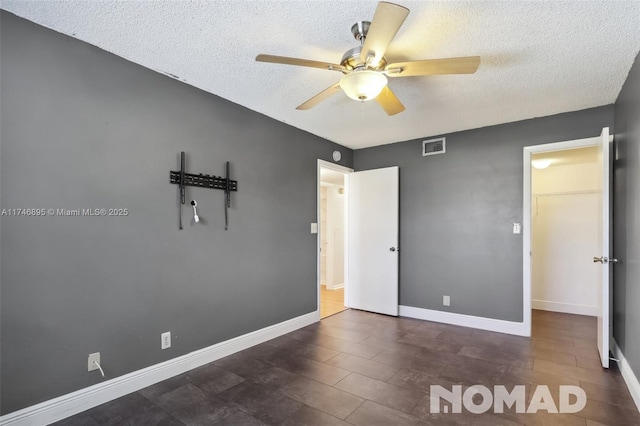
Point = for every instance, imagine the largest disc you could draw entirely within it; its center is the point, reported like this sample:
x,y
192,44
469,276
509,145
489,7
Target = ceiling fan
x,y
366,69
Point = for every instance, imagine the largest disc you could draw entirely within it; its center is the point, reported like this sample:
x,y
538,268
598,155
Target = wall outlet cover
x,y
165,340
446,301
314,228
517,228
91,365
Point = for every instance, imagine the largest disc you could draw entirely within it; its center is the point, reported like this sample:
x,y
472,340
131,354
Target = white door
x,y
372,232
603,255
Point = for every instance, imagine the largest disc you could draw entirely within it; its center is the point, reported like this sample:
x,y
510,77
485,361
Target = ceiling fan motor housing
x,y
351,61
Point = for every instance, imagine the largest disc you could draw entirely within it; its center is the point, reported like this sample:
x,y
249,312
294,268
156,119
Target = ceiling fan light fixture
x,y
363,85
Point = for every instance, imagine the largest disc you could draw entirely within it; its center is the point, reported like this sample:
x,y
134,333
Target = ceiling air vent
x,y
433,146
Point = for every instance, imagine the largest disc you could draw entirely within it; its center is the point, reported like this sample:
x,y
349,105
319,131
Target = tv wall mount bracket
x,y
183,179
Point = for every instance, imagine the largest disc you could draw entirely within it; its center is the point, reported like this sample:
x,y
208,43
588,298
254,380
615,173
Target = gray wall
x,y
457,210
626,219
82,128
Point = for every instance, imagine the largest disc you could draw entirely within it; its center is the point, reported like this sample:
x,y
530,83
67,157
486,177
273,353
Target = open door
x,y
372,233
603,255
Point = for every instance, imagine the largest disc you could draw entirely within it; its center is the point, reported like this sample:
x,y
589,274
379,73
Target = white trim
x,y
346,171
73,403
329,256
567,308
627,373
526,213
490,324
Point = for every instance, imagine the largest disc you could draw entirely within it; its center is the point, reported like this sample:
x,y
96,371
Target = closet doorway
x,y
332,240
564,236
570,206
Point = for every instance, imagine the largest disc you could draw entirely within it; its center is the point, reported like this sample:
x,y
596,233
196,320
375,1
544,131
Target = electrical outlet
x,y
446,301
93,359
165,340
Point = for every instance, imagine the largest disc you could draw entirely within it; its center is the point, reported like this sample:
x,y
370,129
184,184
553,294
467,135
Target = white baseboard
x,y
490,324
567,308
629,378
336,287
73,403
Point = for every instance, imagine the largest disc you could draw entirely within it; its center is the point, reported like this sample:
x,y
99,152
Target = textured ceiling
x,y
538,58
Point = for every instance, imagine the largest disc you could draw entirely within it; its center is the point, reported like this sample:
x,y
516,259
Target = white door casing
x,y
372,233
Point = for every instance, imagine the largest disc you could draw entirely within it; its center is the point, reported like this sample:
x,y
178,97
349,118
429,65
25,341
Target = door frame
x,y
346,170
526,213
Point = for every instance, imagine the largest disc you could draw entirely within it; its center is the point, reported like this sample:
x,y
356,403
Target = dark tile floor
x,y
360,368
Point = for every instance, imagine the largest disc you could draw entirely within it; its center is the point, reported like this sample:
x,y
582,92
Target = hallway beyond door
x,y
331,301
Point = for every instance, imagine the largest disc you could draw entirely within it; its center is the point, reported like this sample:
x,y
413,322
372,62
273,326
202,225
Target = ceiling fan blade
x,y
300,62
389,102
466,65
325,94
385,24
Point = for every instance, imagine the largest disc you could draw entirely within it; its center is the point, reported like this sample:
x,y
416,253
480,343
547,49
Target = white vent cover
x,y
434,146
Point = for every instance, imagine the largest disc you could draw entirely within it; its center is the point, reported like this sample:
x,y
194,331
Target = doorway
x,y
332,228
564,230
587,261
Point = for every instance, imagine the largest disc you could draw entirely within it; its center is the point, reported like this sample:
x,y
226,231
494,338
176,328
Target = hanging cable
x,y
99,368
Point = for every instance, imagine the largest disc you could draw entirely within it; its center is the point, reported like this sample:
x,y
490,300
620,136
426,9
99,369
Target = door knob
x,y
602,259
394,249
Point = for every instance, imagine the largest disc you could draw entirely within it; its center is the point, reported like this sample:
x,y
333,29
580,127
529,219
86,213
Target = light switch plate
x,y
314,228
517,228
446,301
